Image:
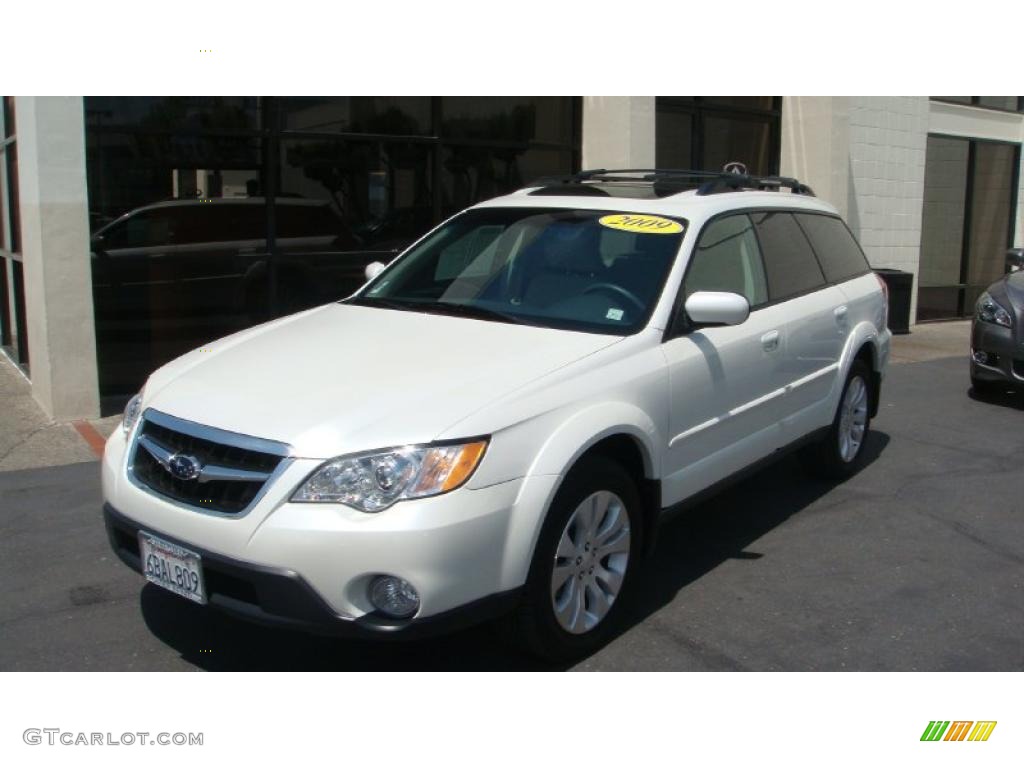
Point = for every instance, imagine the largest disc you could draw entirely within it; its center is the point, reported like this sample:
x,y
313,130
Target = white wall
x,y
618,132
888,136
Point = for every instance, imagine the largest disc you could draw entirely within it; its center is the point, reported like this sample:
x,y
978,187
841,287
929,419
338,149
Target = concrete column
x,y
816,145
618,132
55,248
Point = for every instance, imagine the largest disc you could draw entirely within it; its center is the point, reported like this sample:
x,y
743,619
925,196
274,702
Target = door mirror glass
x,y
373,269
717,308
1015,259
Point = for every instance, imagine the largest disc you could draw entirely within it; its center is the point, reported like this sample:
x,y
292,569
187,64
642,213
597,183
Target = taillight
x,y
884,285
885,294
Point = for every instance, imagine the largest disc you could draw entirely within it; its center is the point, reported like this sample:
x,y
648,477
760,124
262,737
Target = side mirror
x,y
373,269
1015,259
717,308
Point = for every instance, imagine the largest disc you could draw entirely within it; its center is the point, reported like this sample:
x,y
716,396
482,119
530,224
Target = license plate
x,y
172,567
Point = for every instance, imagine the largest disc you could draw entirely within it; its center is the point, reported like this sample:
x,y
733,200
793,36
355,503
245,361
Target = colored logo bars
x,y
958,730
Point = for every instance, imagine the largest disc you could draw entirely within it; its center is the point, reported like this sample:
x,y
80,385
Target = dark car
x,y
170,276
997,333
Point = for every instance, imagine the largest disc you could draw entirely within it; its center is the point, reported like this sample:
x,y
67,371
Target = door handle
x,y
770,341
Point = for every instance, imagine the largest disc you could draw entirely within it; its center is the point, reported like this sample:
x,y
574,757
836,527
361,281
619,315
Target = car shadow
x,y
688,547
1008,398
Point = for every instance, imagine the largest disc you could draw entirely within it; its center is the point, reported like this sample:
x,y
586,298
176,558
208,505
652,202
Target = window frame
x,y
760,254
679,325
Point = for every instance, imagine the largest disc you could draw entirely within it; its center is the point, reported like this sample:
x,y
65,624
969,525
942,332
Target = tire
x,y
588,575
840,455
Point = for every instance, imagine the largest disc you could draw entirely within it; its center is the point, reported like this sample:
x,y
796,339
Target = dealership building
x,y
135,228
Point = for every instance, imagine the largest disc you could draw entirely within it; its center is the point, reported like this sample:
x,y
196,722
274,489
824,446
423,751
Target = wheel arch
x,y
862,344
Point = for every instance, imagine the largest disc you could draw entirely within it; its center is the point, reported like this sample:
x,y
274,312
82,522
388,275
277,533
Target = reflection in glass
x,y
674,139
506,118
737,140
392,115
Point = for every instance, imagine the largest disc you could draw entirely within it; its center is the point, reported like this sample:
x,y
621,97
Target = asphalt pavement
x,y
917,563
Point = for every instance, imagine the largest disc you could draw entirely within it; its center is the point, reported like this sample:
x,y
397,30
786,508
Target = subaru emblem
x,y
184,467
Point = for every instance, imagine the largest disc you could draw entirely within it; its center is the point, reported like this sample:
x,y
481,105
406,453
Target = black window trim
x,y
821,266
678,324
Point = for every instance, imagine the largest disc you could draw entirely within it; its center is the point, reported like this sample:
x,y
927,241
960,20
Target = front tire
x,y
840,454
583,564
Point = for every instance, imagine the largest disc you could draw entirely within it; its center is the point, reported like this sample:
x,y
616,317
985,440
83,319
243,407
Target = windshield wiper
x,y
439,307
468,310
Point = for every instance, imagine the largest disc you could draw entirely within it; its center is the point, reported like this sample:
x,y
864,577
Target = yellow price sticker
x,y
639,222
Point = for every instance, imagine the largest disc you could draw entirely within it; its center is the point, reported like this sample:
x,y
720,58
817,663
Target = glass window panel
x,y
5,306
746,141
9,126
345,204
838,253
788,259
393,115
547,119
937,303
942,215
170,277
13,209
992,196
998,102
727,258
471,173
191,114
673,138
744,102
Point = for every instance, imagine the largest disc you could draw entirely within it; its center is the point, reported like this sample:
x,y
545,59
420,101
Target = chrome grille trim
x,y
212,472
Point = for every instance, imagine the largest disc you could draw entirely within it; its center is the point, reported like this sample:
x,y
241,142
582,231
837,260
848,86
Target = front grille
x,y
220,454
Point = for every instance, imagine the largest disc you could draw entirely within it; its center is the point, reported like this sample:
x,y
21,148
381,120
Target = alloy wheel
x,y
590,562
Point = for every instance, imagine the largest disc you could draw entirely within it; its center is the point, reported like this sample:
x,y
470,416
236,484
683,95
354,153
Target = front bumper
x,y
310,565
999,341
280,597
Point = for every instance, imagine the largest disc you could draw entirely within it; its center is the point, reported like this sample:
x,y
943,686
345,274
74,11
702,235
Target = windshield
x,y
594,271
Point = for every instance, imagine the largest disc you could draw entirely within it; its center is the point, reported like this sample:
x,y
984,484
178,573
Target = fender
x,y
862,333
562,449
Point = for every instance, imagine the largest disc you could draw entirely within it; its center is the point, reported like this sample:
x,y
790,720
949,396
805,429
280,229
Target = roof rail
x,y
706,182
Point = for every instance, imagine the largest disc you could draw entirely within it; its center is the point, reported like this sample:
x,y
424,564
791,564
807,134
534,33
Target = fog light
x,y
394,596
985,358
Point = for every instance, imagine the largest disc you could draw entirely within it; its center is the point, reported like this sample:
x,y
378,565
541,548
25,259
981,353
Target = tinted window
x,y
788,258
727,258
840,256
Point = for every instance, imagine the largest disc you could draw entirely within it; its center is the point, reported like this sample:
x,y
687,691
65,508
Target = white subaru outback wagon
x,y
496,423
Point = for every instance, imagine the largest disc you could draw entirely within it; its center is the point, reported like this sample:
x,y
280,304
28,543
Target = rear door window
x,y
840,256
788,259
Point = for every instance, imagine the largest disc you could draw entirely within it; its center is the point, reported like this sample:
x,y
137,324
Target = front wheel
x,y
840,454
583,563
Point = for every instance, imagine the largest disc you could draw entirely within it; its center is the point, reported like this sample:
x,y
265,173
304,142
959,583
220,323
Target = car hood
x,y
1013,285
343,378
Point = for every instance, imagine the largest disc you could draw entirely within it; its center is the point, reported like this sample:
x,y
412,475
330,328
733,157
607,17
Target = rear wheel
x,y
583,564
841,452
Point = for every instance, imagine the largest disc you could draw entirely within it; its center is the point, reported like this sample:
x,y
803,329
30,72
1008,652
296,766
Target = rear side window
x,y
727,259
788,259
838,252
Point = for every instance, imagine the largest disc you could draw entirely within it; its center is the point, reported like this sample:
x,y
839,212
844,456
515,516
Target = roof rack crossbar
x,y
707,182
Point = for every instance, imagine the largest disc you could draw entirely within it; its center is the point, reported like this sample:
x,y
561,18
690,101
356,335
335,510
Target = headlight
x,y
988,310
374,481
131,413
